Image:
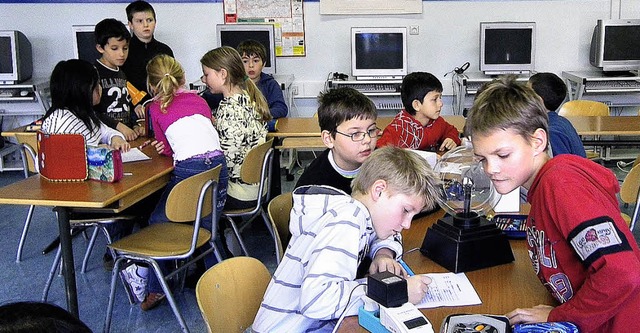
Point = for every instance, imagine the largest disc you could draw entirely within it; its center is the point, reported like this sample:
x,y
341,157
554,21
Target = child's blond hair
x,y
404,171
228,58
165,76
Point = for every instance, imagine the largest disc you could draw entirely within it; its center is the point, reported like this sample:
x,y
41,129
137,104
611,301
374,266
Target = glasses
x,y
359,136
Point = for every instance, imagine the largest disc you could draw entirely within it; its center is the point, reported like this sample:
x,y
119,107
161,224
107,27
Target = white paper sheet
x,y
133,155
449,289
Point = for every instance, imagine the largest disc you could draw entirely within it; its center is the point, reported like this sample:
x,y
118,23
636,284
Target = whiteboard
x,y
368,7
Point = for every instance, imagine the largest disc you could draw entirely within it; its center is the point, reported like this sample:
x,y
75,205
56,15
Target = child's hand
x,y
448,144
159,145
128,133
120,144
139,130
385,261
140,111
536,314
417,287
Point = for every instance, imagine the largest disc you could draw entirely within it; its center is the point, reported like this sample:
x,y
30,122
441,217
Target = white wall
x,y
448,34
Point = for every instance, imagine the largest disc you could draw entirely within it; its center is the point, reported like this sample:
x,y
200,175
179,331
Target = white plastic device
x,y
405,319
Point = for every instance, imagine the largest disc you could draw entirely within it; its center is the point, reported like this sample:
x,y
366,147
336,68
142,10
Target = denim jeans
x,y
183,170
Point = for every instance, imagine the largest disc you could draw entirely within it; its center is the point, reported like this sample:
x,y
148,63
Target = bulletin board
x,y
286,16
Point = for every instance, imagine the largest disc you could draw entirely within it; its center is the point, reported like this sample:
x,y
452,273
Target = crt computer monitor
x,y
615,46
233,34
379,52
507,47
16,57
84,43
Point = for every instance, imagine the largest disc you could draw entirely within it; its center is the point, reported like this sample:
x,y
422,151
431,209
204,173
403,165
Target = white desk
x,y
466,85
625,88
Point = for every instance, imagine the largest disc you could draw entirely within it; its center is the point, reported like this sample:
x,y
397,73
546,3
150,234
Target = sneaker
x,y
151,301
136,278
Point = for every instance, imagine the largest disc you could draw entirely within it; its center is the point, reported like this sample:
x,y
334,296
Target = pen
x,y
144,144
406,267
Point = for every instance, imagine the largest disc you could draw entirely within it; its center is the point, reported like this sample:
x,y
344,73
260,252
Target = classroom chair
x,y
584,107
256,169
189,201
279,209
629,192
229,294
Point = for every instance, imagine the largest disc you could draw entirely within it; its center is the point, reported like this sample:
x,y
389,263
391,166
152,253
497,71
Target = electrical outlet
x,y
294,90
414,30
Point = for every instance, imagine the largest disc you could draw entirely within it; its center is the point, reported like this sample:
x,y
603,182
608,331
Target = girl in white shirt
x,y
75,89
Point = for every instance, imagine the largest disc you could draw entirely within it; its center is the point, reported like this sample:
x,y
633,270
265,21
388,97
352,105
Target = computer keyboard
x,y
389,105
375,87
612,86
473,86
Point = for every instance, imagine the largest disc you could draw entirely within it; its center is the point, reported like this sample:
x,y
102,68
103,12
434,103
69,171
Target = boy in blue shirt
x,y
562,135
254,56
115,109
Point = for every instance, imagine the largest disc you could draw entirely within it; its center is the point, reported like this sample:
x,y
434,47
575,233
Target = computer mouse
x,y
24,93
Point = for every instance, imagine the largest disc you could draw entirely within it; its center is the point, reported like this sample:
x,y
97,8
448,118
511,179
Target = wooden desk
x,y
147,177
606,125
305,132
308,127
296,133
501,288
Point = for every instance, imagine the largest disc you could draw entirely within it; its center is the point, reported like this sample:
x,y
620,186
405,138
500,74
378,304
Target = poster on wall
x,y
370,7
285,15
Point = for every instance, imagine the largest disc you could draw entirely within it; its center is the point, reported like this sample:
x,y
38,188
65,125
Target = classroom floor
x,y
25,280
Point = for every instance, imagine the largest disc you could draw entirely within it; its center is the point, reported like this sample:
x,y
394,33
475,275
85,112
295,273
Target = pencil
x,y
144,144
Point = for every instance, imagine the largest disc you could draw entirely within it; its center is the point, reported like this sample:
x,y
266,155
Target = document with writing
x,y
134,154
449,289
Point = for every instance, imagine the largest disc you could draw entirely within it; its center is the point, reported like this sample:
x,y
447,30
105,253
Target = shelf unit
x,y
23,103
603,88
465,87
385,94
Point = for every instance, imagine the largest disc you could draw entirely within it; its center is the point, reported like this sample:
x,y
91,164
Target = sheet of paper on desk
x,y
431,157
134,155
449,289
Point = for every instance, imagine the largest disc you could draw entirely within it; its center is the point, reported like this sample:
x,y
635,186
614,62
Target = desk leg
x,y
68,265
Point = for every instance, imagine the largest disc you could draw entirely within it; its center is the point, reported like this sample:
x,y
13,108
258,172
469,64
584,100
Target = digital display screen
x,y
507,46
87,46
6,55
379,50
622,43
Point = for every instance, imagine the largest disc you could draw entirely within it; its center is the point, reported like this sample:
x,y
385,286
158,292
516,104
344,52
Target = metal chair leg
x,y
267,222
112,293
168,294
87,254
238,237
25,229
52,273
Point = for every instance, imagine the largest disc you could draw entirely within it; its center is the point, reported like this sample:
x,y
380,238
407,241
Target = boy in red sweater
x,y
419,125
580,247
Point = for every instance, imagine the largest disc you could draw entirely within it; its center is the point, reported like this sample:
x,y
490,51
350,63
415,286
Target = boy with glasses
x,y
347,120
